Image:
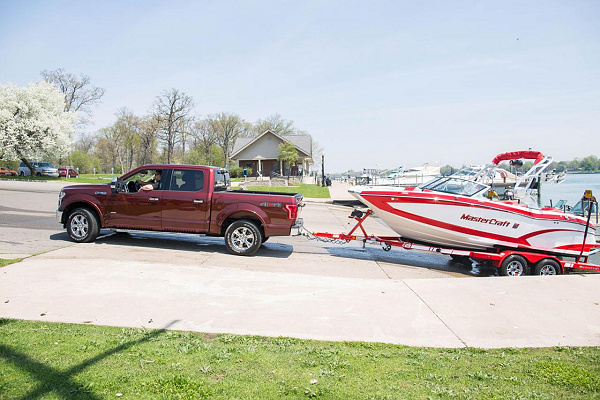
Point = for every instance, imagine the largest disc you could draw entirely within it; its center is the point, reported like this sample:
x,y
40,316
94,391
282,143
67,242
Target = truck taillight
x,y
292,210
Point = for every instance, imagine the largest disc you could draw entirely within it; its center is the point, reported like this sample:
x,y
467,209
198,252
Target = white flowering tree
x,y
33,123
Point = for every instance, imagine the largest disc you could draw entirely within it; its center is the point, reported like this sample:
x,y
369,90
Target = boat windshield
x,y
451,185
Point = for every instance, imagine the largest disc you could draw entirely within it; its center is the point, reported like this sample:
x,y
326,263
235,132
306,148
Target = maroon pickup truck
x,y
186,199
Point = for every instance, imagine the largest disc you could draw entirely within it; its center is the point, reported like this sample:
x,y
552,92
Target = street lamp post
x,y
323,170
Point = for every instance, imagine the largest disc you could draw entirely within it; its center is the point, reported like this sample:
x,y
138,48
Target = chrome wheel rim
x,y
242,239
79,226
514,268
547,270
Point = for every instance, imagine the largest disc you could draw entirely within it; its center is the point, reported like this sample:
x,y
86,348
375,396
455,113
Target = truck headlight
x,y
60,197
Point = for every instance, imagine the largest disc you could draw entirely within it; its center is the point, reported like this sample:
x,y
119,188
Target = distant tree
x,y
228,127
205,136
128,129
447,170
561,166
33,123
105,150
172,110
574,164
81,161
150,127
78,94
288,154
274,123
86,142
590,163
109,150
119,143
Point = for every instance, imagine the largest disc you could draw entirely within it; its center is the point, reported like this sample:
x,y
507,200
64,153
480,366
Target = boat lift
x,y
510,262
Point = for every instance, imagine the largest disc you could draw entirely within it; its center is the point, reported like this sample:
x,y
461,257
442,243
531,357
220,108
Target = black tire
x,y
243,238
82,225
39,174
22,173
514,265
548,266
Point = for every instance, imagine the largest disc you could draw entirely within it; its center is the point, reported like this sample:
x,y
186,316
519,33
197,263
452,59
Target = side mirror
x,y
113,185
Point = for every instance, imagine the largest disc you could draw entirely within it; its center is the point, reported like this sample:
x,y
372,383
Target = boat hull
x,y
464,223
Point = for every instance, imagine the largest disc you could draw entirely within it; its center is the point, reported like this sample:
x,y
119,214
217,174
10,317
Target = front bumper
x,y
59,215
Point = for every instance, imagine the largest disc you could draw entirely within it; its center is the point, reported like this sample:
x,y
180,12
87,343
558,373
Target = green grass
x,y
83,178
64,361
4,262
312,191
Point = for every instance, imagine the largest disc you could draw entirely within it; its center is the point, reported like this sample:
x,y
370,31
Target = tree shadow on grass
x,y
63,383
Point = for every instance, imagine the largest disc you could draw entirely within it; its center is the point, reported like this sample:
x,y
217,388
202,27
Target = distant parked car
x,y
41,168
5,171
62,172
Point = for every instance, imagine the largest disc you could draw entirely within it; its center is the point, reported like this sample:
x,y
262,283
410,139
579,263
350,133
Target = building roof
x,y
302,142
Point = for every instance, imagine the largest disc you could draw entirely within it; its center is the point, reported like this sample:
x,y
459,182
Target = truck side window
x,y
187,180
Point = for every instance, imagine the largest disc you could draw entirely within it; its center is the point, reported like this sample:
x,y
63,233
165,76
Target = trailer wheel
x,y
386,246
242,238
548,266
514,265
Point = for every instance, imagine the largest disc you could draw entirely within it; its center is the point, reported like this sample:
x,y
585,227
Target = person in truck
x,y
152,184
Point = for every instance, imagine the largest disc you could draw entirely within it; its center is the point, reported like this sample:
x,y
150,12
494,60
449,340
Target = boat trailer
x,y
510,262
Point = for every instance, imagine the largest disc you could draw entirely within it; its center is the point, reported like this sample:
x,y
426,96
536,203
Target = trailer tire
x,y
514,265
243,238
548,266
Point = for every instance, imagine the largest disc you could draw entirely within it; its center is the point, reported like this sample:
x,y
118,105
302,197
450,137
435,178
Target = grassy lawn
x,y
50,360
4,262
83,178
313,191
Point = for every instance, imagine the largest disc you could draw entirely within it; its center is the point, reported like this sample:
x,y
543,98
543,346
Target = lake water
x,y
571,189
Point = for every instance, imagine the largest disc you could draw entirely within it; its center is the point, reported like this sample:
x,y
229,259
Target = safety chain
x,y
310,236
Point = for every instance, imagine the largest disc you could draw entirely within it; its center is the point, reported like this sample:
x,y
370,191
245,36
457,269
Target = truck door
x,y
185,204
132,209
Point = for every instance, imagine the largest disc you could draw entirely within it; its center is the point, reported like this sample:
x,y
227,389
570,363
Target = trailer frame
x,y
510,262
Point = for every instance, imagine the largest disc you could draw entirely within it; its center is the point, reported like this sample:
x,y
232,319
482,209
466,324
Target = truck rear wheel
x,y
243,238
82,225
548,266
514,265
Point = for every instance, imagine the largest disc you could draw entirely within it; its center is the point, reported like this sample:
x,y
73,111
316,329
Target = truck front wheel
x,y
82,225
242,238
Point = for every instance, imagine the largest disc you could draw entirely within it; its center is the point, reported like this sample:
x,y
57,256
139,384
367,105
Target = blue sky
x,y
376,83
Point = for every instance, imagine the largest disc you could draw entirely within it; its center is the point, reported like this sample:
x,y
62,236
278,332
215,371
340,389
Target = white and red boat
x,y
464,214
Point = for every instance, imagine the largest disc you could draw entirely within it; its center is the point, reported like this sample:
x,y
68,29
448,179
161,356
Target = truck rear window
x,y
222,180
187,180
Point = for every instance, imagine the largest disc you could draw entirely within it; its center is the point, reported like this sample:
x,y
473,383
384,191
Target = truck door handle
x,y
198,201
153,199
